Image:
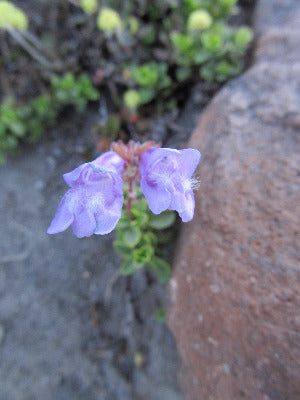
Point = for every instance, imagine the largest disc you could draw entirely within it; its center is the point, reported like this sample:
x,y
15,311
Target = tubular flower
x,y
93,204
166,180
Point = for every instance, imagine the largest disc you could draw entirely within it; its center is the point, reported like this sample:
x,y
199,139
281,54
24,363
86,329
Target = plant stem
x,y
130,197
17,35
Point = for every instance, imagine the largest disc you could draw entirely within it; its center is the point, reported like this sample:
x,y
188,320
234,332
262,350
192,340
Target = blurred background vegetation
x,y
136,59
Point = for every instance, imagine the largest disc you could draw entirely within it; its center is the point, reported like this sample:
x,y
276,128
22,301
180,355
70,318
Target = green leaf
x,y
201,56
243,36
145,75
123,251
141,205
147,94
128,267
212,41
141,217
163,220
161,267
131,236
124,221
41,104
142,255
18,128
160,314
181,42
148,238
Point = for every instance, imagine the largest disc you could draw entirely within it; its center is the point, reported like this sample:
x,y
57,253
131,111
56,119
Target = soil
x,y
70,326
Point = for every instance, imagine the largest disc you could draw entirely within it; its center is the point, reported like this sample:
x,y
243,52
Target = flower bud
x,y
132,99
109,20
198,20
12,17
89,6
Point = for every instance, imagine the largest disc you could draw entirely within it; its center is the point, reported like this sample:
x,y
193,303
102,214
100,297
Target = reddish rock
x,y
235,292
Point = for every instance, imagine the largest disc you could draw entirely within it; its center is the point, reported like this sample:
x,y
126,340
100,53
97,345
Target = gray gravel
x,y
69,326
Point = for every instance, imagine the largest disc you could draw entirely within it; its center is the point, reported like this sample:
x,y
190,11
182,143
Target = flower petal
x,y
63,217
110,160
189,159
71,178
107,221
84,223
158,198
188,213
159,160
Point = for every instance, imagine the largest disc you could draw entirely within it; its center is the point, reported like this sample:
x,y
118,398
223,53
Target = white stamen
x,y
195,183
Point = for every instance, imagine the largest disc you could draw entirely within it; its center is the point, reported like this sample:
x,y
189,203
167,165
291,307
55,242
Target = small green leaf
x,y
212,41
142,255
148,238
141,217
131,236
181,42
128,267
145,75
123,251
141,205
201,56
160,314
124,221
18,128
243,36
163,220
161,267
147,94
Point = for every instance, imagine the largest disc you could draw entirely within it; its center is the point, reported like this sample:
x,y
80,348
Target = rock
x,y
235,291
2,333
277,14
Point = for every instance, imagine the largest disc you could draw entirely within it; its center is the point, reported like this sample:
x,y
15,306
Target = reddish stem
x,y
130,197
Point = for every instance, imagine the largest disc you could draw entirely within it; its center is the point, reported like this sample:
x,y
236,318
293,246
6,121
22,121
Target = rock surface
x,y
235,292
69,329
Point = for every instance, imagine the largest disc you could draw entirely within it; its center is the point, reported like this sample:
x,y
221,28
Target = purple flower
x,y
166,180
94,202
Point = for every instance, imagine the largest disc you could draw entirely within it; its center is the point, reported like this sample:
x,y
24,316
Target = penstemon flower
x,y
93,204
166,180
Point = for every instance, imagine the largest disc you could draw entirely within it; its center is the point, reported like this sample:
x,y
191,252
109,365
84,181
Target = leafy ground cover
x,y
142,59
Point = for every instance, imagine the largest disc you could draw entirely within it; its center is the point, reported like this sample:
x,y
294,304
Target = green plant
x,y
160,314
26,122
23,123
156,48
216,8
68,90
202,43
139,236
150,79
